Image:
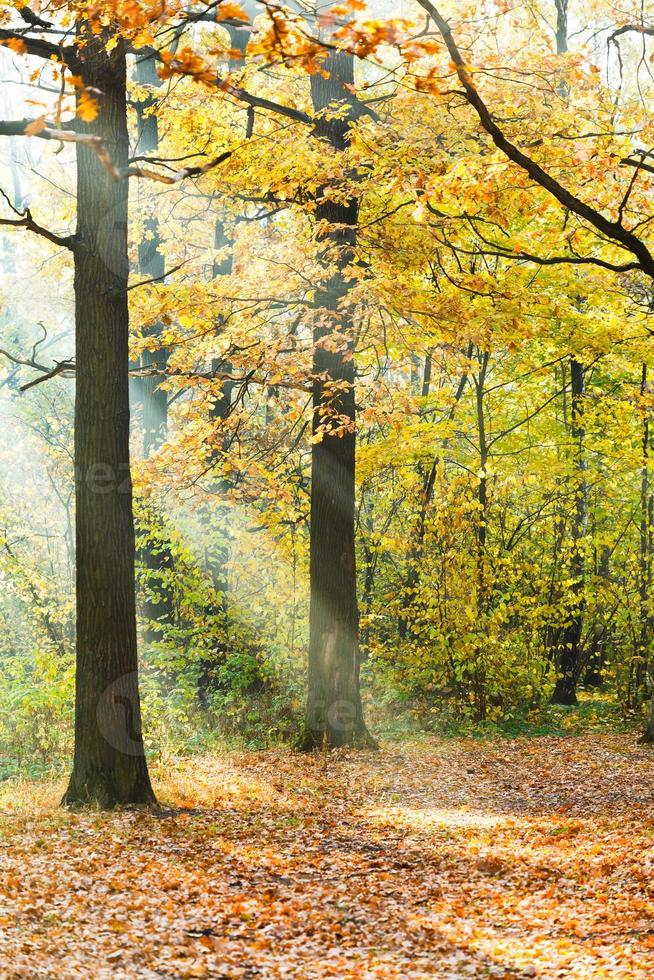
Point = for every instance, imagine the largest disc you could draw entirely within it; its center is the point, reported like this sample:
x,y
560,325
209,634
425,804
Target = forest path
x,y
433,858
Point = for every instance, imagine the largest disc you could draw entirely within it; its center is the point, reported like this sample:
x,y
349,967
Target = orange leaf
x,y
87,107
35,127
16,44
232,11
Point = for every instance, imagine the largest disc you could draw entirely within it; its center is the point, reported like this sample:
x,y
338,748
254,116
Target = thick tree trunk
x,y
648,735
109,765
334,710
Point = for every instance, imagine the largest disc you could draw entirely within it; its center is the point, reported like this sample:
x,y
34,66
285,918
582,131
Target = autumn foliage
x,y
327,414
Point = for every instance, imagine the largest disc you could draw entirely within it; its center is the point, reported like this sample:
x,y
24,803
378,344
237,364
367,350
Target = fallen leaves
x,y
444,858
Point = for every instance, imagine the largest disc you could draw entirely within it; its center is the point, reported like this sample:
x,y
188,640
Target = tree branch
x,y
153,372
497,250
258,103
500,253
18,127
177,176
47,373
164,275
613,230
38,46
630,29
25,220
59,368
48,131
639,164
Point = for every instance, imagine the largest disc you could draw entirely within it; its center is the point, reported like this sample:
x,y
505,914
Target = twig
x,y
59,369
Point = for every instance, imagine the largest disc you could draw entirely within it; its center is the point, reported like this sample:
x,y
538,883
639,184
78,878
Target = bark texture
x,y
109,765
334,710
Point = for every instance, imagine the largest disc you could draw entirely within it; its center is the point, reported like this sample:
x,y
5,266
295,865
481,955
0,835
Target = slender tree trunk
x,y
151,266
155,553
482,533
416,547
570,649
417,544
646,542
416,550
109,766
334,710
216,514
561,26
569,655
593,677
645,553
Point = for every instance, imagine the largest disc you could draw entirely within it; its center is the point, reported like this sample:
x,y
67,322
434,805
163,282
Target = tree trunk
x,y
647,737
645,565
151,266
216,515
565,690
645,554
155,553
417,541
109,765
483,597
334,710
570,652
593,678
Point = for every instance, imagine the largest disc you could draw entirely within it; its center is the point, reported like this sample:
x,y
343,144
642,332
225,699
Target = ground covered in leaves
x,y
524,858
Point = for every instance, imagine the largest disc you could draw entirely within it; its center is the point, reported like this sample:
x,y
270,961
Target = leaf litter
x,y
432,858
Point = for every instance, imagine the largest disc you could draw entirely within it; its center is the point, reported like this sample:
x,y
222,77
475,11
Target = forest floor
x,y
433,858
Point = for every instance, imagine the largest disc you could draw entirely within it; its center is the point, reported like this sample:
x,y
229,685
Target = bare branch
x,y
19,127
639,164
168,272
630,29
175,177
258,103
47,130
25,220
23,362
60,368
46,372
